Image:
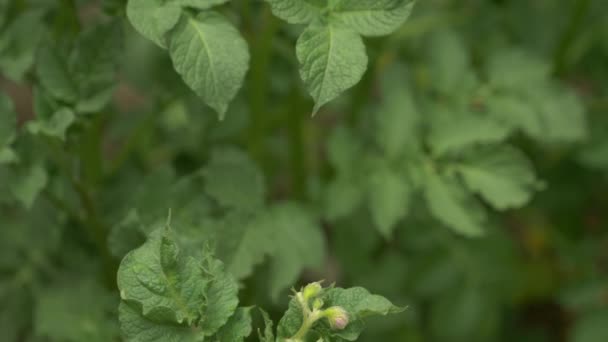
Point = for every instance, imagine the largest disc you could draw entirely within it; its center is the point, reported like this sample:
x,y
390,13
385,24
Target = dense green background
x,y
538,273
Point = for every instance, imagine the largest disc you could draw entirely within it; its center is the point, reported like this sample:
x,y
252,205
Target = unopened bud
x,y
312,290
337,317
317,304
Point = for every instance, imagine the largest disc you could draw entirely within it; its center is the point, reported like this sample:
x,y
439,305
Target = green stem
x,y
569,35
90,221
261,55
99,233
90,151
301,334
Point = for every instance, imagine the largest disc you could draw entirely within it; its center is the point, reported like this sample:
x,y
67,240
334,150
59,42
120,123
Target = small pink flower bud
x,y
337,317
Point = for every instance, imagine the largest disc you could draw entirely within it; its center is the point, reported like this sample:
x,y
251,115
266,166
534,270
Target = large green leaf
x,y
153,18
164,291
332,59
373,17
296,11
211,56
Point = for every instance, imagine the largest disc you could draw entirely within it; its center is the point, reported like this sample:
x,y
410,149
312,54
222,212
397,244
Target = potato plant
x,y
303,170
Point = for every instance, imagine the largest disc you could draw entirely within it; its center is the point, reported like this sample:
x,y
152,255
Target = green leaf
x,y
243,243
138,328
453,131
18,43
296,11
342,197
95,59
390,194
298,244
397,119
54,73
55,126
509,69
153,18
160,285
562,114
237,328
332,59
126,235
211,56
221,296
524,97
8,121
501,175
373,17
156,276
234,181
28,184
450,65
450,203
268,333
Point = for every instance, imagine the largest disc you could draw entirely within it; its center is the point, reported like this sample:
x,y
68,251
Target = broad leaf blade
x,y
332,59
296,11
153,18
373,17
211,56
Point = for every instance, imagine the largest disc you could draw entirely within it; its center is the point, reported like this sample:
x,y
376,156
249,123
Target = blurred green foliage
x,y
465,176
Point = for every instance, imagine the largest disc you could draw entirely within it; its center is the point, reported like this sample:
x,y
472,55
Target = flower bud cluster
x,y
312,304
